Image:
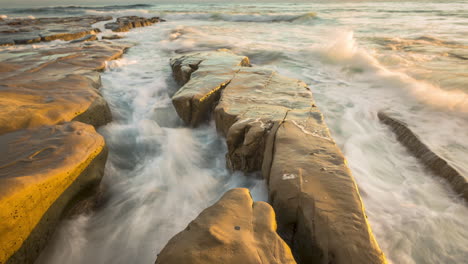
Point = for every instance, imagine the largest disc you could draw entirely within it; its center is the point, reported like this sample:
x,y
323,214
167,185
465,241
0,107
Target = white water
x,y
358,58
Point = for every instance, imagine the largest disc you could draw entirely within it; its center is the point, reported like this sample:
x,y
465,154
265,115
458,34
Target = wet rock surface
x,y
123,24
233,230
28,31
272,124
431,160
49,86
208,73
43,171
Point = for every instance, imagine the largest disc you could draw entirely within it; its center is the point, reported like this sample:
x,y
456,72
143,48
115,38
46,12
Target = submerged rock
x,y
49,86
271,124
233,230
110,37
27,31
427,157
123,24
42,173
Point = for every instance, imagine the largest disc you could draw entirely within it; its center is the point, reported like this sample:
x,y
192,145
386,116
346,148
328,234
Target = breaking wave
x,y
243,17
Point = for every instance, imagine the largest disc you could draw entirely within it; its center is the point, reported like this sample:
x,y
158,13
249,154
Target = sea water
x,y
409,59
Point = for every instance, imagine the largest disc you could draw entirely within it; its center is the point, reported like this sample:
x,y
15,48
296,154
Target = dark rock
x,y
123,24
85,38
431,160
110,37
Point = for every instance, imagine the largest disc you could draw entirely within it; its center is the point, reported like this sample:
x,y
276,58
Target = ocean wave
x,y
73,9
243,17
344,52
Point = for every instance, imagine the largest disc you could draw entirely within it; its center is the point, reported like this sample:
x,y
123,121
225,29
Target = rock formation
x,y
272,124
42,171
427,157
27,31
123,24
233,230
49,86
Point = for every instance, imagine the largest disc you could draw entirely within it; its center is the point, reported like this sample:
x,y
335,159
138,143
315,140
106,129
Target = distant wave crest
x,y
74,9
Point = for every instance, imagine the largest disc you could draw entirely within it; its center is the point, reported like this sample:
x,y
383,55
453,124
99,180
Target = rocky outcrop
x,y
124,24
46,87
233,230
431,160
42,172
208,73
27,31
272,124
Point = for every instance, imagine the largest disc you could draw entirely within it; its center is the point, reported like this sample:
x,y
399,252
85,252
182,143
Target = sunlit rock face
x,y
124,24
49,86
233,230
208,73
27,31
272,125
42,172
430,159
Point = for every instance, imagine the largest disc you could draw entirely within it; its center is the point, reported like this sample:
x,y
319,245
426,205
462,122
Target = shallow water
x,y
358,58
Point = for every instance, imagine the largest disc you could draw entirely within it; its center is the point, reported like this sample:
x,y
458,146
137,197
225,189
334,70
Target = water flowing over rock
x,y
27,31
49,86
123,24
427,157
271,124
42,172
233,230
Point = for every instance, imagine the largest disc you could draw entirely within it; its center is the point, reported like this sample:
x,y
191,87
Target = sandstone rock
x,y
42,172
233,230
85,38
208,73
45,87
427,157
272,124
27,31
123,24
110,37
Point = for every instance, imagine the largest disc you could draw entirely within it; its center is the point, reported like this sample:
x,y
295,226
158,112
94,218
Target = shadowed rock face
x,y
42,171
233,230
124,24
421,151
45,87
208,73
27,31
272,124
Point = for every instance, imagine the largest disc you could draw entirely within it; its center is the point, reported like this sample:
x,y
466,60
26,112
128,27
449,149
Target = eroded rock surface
x,y
123,24
43,171
427,157
209,73
49,86
27,31
233,230
271,124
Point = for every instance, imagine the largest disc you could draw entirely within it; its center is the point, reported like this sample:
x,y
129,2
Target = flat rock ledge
x,y
272,125
124,24
428,158
233,230
49,86
42,172
28,31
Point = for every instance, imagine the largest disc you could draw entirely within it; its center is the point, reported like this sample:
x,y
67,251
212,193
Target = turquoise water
x,y
407,58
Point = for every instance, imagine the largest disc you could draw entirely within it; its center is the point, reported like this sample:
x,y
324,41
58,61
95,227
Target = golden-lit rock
x,y
48,86
208,73
42,172
27,30
234,230
271,124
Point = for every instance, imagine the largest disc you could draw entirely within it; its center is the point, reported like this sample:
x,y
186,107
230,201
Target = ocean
x,y
409,59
